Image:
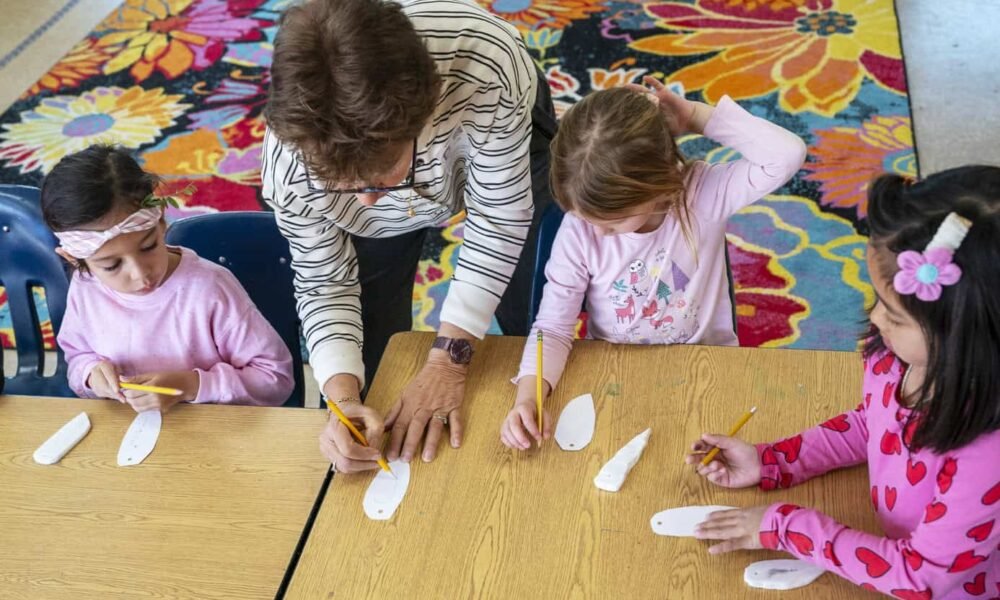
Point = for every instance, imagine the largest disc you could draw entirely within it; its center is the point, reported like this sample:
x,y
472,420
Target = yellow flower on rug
x,y
815,53
62,125
528,15
171,36
83,61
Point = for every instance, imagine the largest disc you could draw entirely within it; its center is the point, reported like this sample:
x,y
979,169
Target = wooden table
x,y
215,511
486,522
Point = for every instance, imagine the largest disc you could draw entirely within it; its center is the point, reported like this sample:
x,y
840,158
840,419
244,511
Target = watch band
x,y
459,350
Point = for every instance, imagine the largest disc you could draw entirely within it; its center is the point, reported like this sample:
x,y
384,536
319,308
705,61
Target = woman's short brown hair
x,y
349,79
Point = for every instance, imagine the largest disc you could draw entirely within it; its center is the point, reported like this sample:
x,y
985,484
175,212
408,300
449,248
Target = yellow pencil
x,y
736,429
357,434
152,389
538,383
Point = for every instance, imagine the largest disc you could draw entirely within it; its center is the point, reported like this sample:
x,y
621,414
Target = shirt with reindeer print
x,y
663,287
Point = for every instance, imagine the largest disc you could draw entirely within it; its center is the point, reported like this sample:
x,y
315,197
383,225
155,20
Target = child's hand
x,y
521,424
185,381
739,528
683,115
103,380
736,466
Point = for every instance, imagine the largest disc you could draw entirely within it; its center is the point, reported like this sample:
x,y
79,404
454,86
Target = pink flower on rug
x,y
434,273
172,36
924,273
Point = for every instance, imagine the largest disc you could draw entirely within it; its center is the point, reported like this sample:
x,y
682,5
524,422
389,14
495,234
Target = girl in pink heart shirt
x,y
929,422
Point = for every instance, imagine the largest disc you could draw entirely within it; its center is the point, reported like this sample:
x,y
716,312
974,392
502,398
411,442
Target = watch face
x,y
460,352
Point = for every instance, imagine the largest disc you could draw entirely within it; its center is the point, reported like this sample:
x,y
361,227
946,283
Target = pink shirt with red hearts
x,y
939,512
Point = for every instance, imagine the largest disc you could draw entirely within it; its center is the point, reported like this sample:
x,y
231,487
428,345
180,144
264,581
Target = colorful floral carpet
x,y
183,83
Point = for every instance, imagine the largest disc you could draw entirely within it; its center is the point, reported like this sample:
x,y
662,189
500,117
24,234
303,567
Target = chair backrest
x,y
250,245
28,260
547,228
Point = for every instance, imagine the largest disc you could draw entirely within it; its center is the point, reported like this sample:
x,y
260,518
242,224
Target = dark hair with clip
x,y
87,186
960,397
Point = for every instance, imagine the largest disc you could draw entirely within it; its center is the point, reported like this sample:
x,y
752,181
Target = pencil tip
x,y
753,410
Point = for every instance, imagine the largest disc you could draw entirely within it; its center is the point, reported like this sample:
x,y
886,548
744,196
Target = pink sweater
x,y
649,288
939,511
200,318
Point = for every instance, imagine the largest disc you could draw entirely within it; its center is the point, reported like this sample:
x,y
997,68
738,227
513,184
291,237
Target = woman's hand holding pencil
x,y
360,437
340,446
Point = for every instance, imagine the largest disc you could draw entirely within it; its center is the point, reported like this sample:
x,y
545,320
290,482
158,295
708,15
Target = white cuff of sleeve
x,y
469,307
334,358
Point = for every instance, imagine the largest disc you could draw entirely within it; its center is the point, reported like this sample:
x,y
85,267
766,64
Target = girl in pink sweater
x,y
929,423
143,312
643,240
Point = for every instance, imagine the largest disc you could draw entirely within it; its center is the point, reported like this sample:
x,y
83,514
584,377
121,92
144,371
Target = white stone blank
x,y
680,522
612,475
575,428
782,574
69,435
140,439
386,493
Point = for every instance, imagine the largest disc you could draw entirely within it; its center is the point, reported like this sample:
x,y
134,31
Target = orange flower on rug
x,y
83,61
847,158
815,53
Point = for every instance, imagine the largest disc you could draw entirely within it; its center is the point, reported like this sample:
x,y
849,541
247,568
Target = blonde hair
x,y
614,151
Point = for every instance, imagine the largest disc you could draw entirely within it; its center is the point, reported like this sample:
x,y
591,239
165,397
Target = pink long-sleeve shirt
x,y
939,512
199,319
650,288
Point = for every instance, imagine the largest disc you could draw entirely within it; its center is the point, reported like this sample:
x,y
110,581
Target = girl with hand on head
x,y
642,244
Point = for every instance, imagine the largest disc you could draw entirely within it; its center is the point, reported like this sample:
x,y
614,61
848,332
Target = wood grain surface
x,y
214,512
488,522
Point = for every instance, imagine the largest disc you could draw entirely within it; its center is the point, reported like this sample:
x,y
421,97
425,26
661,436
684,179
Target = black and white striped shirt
x,y
473,155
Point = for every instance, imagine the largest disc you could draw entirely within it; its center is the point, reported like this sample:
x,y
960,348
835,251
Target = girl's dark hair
x,y
86,186
960,398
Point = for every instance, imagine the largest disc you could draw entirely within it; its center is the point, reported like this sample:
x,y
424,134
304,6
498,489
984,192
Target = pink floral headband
x,y
83,244
924,273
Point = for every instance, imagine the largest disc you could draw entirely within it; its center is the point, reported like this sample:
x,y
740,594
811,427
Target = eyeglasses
x,y
406,184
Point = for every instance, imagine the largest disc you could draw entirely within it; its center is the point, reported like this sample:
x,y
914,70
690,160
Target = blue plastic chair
x,y
27,260
250,245
547,228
